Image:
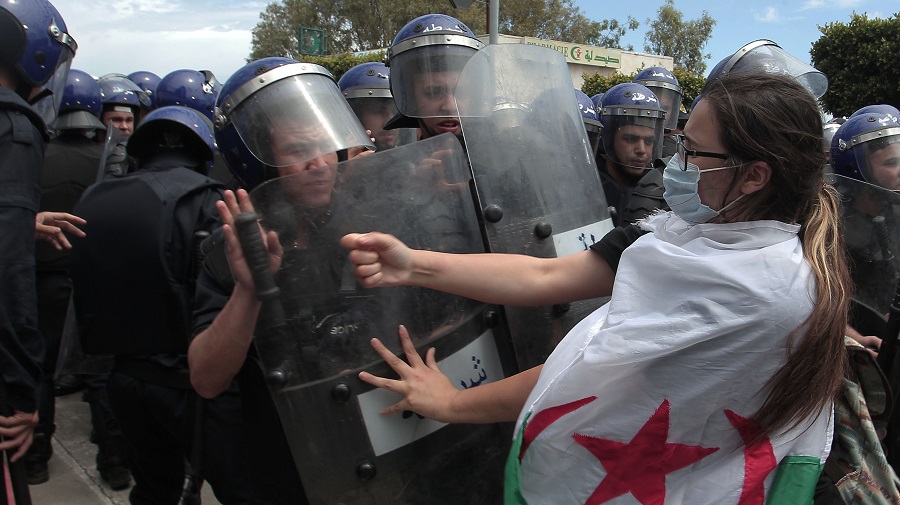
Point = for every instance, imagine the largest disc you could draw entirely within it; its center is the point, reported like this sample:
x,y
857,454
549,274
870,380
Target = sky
x,y
165,35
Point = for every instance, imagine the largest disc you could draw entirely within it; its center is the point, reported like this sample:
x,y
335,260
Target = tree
x,y
691,84
860,60
684,41
359,25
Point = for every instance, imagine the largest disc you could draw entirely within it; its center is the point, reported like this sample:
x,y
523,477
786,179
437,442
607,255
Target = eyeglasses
x,y
684,152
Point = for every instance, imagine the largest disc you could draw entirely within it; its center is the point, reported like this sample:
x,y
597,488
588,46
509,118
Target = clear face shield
x,y
51,95
669,97
877,155
423,79
114,84
373,113
636,139
766,56
293,118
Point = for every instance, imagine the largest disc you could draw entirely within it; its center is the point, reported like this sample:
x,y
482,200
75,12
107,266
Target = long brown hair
x,y
775,120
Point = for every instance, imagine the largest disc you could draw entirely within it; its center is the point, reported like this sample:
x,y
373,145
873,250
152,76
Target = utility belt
x,y
153,373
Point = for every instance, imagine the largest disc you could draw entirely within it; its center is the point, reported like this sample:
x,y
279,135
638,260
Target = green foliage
x,y
361,25
684,41
860,60
691,84
338,64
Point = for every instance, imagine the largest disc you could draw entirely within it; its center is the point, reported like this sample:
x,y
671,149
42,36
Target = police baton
x,y
275,355
15,485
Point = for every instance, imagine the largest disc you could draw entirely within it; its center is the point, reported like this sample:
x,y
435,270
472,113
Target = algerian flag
x,y
649,400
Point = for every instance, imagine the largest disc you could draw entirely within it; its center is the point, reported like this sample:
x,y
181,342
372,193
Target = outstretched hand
x,y
381,259
426,391
232,205
50,226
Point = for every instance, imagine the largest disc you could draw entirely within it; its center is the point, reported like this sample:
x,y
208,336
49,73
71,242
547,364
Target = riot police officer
x,y
143,225
633,125
35,53
71,162
588,110
123,104
270,124
367,90
426,58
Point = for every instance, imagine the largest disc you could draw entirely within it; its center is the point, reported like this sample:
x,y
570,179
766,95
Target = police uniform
x,y
22,142
71,162
148,219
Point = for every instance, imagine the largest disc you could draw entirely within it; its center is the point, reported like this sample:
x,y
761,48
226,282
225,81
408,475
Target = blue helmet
x,y
174,129
271,95
147,81
590,117
367,89
598,102
190,88
117,90
81,104
867,147
666,88
882,108
765,56
428,45
632,104
37,46
366,80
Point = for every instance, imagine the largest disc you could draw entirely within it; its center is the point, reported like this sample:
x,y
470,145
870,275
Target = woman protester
x,y
710,374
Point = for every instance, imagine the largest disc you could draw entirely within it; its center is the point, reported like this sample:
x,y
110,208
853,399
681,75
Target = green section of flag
x,y
512,483
795,481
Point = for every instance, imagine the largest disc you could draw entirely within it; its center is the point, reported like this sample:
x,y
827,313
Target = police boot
x,y
111,456
36,458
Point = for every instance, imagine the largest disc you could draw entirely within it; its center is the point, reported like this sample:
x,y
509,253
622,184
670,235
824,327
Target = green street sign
x,y
311,41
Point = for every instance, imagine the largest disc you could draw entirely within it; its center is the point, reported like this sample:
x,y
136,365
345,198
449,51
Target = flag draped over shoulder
x,y
649,400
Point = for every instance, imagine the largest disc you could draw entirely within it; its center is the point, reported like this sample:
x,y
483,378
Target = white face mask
x,y
682,191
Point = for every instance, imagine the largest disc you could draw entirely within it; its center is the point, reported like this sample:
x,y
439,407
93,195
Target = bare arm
x,y
508,279
217,353
429,393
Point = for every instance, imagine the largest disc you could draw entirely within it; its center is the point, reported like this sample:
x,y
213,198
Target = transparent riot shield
x,y
871,219
536,179
114,159
317,341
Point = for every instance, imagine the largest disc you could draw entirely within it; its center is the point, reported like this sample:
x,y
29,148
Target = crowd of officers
x,y
128,294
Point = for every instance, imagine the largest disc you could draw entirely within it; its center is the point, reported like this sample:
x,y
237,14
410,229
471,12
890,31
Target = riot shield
x,y
535,176
871,220
344,450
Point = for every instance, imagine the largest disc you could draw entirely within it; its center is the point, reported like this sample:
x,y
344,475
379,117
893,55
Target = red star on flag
x,y
649,451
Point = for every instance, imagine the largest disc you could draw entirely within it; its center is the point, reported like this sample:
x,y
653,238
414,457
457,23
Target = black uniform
x,y
71,162
141,226
22,142
632,203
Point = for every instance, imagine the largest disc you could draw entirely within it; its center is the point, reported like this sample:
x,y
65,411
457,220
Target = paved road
x,y
73,471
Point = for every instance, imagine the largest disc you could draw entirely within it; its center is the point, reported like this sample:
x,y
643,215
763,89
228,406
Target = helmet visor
x,y
635,139
53,91
297,119
770,58
423,80
670,101
373,113
878,158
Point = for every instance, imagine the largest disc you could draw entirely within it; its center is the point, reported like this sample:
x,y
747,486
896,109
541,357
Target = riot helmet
x,y
882,108
633,125
122,101
367,89
425,58
666,88
768,57
867,147
279,96
591,118
174,129
147,81
81,104
190,88
37,47
598,102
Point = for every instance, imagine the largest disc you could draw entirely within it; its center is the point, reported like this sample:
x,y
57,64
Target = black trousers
x,y
159,426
